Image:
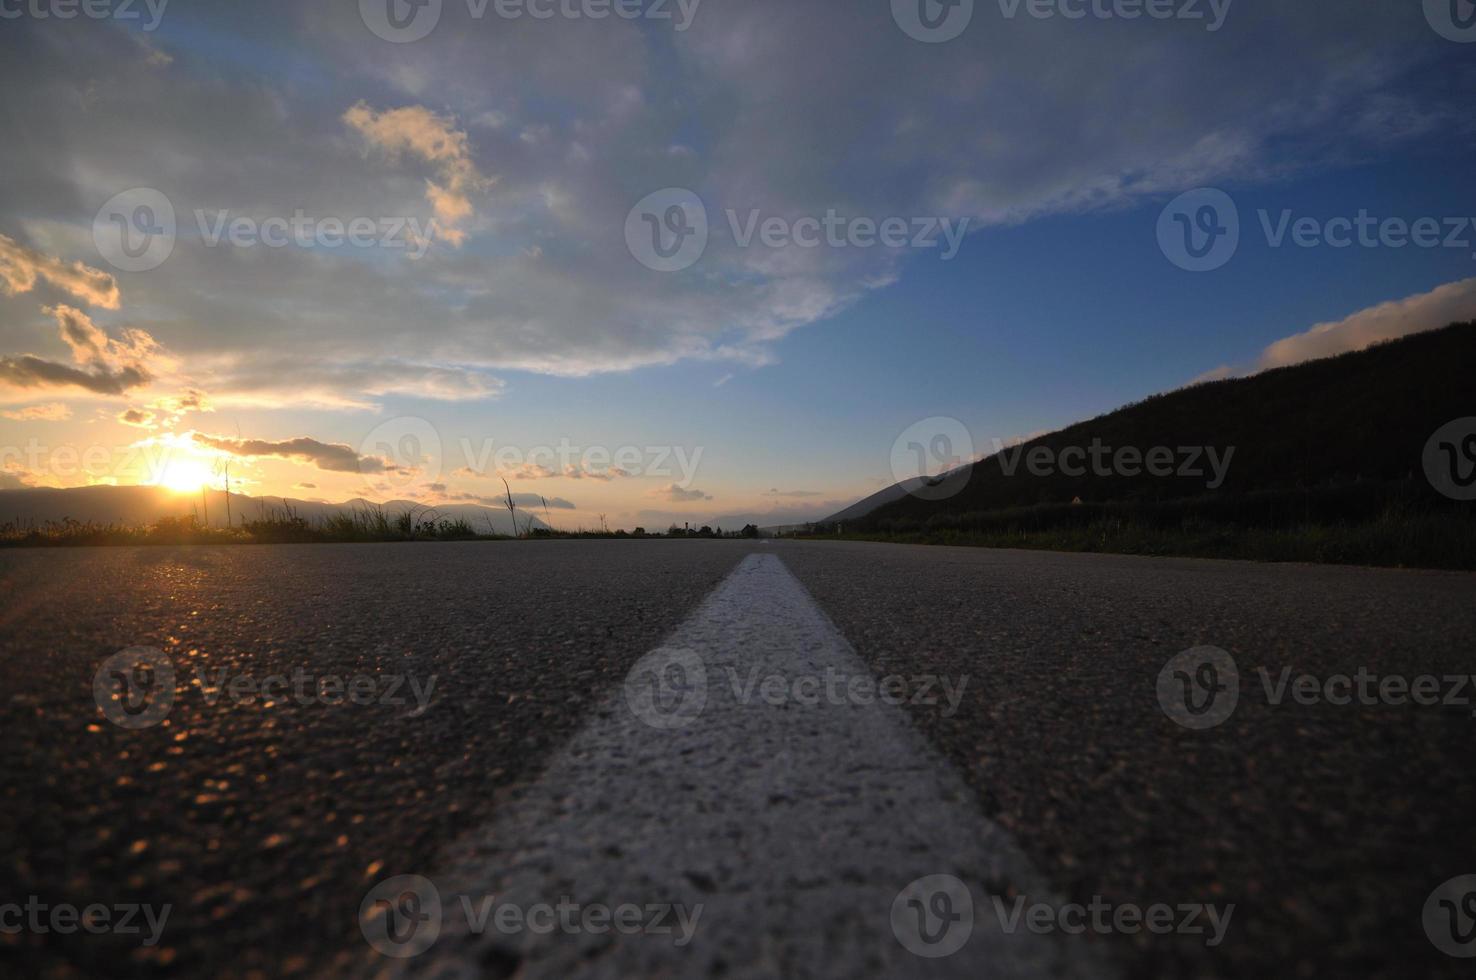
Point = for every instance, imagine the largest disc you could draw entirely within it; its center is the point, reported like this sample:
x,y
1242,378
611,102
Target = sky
x,y
710,261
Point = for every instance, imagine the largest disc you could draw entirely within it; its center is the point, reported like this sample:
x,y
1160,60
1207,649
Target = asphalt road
x,y
264,821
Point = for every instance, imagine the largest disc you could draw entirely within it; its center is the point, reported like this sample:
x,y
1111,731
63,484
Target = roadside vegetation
x,y
1321,462
1398,536
282,525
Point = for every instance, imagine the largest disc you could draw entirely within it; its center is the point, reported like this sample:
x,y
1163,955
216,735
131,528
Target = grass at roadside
x,y
281,526
1396,540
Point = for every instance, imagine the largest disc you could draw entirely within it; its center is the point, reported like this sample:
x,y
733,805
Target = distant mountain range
x,y
1352,427
140,506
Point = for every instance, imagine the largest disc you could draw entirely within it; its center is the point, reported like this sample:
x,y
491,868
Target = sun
x,y
184,476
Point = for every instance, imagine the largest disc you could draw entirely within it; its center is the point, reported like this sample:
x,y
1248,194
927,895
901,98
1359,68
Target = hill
x,y
1332,444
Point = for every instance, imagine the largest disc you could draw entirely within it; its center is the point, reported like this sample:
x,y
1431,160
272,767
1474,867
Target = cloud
x,y
324,455
676,494
50,412
756,106
92,347
531,501
20,267
27,371
304,486
1454,302
578,471
417,131
571,471
528,471
13,480
774,492
1451,303
189,400
111,366
138,417
267,381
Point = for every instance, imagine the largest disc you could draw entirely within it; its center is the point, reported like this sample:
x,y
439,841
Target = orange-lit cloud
x,y
1452,303
105,366
679,495
422,133
20,267
50,412
138,417
303,449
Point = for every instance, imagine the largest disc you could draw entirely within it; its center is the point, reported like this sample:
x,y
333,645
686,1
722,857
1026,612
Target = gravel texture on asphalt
x,y
264,825
803,833
1327,825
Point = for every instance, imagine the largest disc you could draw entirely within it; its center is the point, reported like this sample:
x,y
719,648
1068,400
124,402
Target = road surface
x,y
723,758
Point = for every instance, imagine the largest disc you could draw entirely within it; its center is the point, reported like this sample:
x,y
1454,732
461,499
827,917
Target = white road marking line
x,y
795,827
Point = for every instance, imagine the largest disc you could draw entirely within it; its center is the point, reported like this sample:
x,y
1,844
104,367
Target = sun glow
x,y
185,476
